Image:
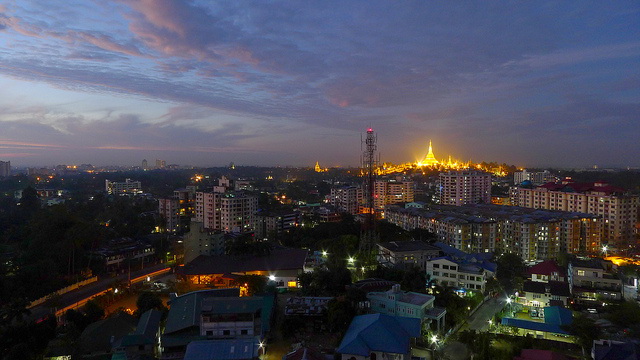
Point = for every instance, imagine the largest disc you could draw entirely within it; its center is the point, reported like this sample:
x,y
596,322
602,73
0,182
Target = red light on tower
x,y
369,130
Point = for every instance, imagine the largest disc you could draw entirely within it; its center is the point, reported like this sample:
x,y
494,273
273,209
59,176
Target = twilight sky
x,y
291,82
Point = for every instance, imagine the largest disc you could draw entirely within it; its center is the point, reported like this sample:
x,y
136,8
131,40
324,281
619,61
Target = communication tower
x,y
368,234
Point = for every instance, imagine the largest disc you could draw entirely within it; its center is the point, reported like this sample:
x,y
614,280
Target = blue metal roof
x,y
379,332
554,318
234,349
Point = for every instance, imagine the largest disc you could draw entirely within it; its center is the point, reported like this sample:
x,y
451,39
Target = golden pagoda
x,y
430,159
319,169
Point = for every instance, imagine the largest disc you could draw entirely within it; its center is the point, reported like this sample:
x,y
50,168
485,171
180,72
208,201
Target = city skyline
x,y
544,84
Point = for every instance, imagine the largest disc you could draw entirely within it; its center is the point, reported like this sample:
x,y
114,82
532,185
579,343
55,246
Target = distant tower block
x,y
430,159
145,164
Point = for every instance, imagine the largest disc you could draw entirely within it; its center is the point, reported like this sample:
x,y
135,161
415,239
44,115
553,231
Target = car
x,y
592,311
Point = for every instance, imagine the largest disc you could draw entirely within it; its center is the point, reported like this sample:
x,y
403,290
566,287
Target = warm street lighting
x,y
148,278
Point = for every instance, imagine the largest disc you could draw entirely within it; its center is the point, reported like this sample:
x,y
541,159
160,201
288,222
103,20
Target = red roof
x,y
598,186
546,268
535,354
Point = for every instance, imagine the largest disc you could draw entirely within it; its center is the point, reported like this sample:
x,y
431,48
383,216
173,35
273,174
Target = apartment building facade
x,y
617,208
534,234
465,187
347,199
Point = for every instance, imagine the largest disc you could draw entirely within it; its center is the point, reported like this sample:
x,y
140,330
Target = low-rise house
x,y
144,341
546,271
555,319
117,253
99,337
594,280
307,306
615,350
183,321
374,336
281,266
405,254
408,304
233,349
446,271
540,294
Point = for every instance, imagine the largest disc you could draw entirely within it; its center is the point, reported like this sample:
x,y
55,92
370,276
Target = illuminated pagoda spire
x,y
318,168
430,159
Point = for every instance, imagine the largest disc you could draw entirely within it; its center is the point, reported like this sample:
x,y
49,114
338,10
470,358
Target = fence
x,y
63,291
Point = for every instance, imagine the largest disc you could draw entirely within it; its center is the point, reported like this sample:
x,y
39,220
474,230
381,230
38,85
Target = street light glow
x,y
351,260
508,300
434,338
324,253
272,277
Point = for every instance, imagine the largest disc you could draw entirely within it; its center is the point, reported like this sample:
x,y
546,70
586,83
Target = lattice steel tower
x,y
368,234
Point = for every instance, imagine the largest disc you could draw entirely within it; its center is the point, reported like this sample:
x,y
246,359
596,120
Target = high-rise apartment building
x,y
388,192
465,187
618,209
231,211
5,168
225,209
169,210
347,199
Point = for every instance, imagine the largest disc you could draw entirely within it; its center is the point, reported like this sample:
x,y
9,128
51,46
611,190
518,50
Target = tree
x,y
585,331
147,301
256,284
414,280
510,272
340,312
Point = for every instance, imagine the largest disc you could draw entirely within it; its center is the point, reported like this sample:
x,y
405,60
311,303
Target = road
x,y
77,298
479,321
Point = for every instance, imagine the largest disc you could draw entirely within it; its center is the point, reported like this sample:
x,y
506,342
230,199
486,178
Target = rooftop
x,y
398,246
379,332
278,259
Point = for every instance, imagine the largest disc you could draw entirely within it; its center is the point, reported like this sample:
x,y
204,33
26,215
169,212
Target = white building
x,y
446,272
347,199
465,187
537,178
231,211
127,187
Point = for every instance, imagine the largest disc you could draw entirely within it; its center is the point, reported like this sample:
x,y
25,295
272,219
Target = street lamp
x,y
351,260
324,253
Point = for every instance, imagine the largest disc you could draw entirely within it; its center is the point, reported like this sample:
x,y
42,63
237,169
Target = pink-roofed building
x,y
536,354
547,271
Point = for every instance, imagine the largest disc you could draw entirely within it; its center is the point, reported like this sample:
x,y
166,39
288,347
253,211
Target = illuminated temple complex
x,y
430,159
